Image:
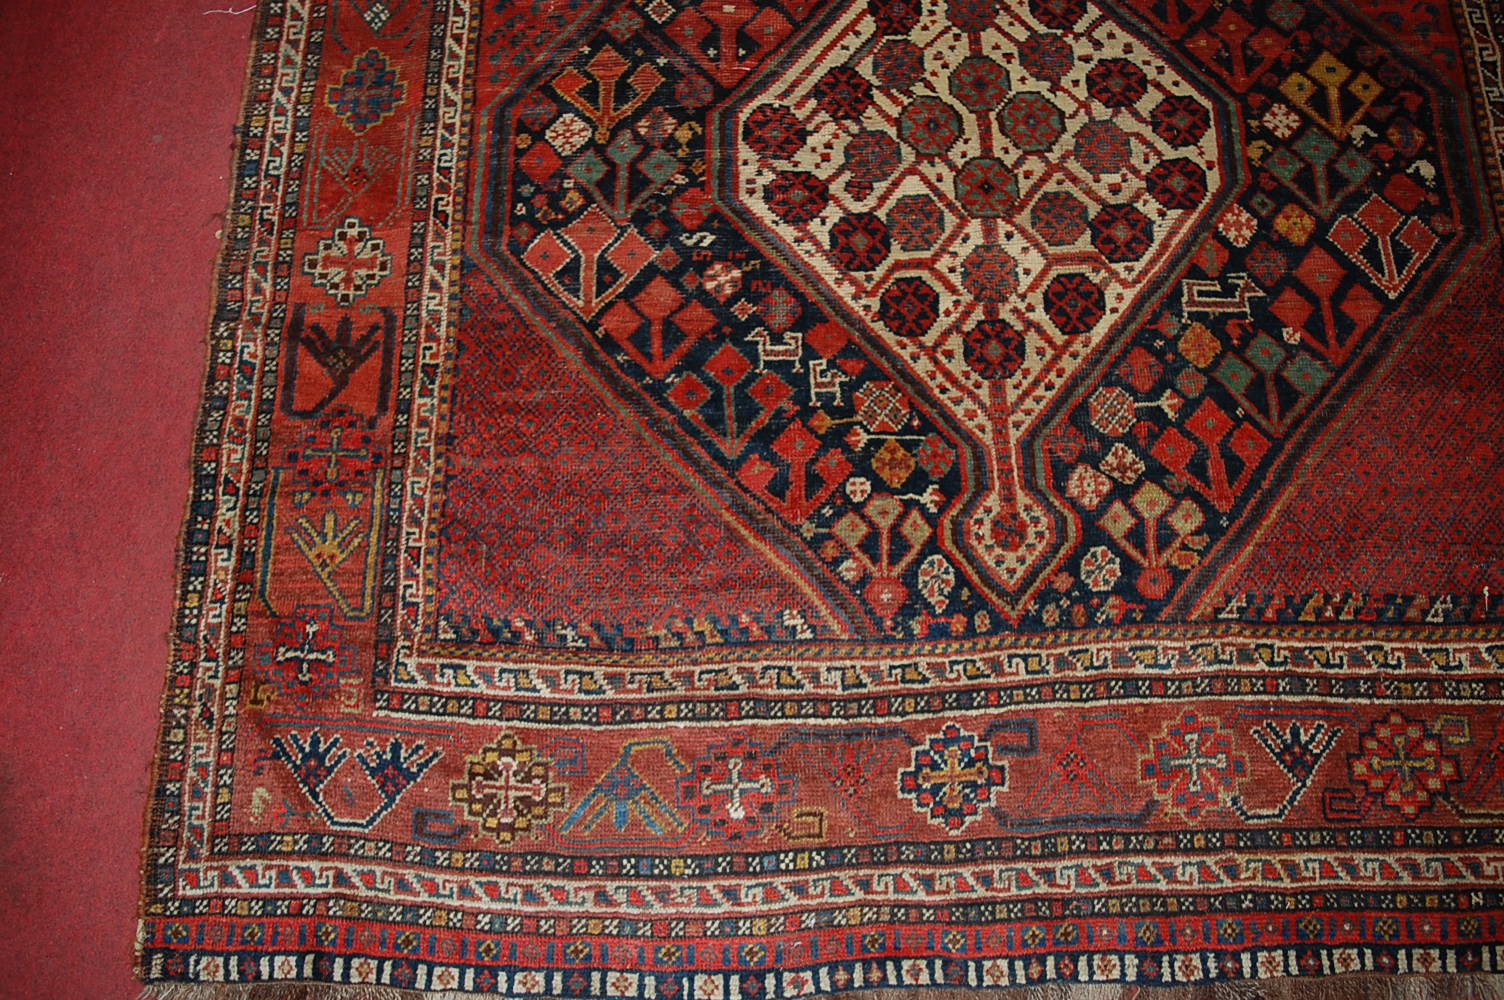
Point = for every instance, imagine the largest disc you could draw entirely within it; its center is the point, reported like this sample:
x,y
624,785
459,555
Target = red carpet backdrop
x,y
753,499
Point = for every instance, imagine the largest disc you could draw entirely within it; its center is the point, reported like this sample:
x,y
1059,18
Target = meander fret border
x,y
1482,24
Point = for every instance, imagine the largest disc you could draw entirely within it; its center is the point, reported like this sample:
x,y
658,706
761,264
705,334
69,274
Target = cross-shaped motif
x,y
734,786
1401,761
351,255
304,654
502,787
348,262
334,452
955,777
366,90
506,788
1195,761
952,778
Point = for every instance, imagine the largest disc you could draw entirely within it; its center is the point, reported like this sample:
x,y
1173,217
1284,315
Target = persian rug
x,y
754,499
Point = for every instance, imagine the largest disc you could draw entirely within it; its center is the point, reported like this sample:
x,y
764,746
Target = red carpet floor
x,y
115,138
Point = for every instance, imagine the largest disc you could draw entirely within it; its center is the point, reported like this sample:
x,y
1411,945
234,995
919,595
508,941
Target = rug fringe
x,y
1361,987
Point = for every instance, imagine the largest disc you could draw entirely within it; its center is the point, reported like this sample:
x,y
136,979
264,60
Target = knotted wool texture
x,y
759,499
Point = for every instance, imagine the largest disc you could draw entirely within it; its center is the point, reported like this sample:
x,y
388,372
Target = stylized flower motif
x,y
898,64
774,130
937,578
885,595
1123,464
882,407
971,15
929,126
1140,369
1199,345
1111,410
859,242
873,156
986,187
624,24
1193,765
507,788
952,778
843,92
797,196
1295,224
916,223
1177,183
909,306
1401,763
1117,83
1238,225
1122,233
722,280
895,17
979,83
994,350
691,207
935,456
1061,15
1281,120
1180,120
893,463
1059,218
850,570
1032,122
567,134
1100,568
779,309
1087,486
989,274
1074,303
1047,56
693,91
1102,147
